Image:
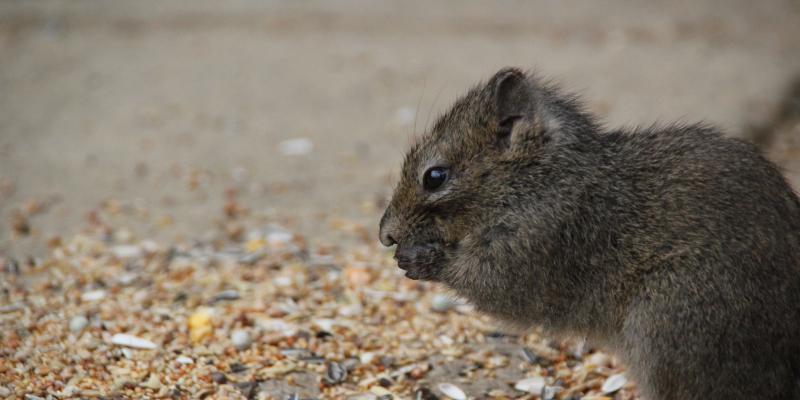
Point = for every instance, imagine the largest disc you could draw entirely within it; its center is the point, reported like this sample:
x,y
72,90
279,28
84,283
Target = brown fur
x,y
676,248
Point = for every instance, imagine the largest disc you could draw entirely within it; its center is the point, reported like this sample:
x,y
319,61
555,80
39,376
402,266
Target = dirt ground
x,y
163,108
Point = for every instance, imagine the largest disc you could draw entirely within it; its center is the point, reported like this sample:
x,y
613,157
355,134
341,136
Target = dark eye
x,y
434,178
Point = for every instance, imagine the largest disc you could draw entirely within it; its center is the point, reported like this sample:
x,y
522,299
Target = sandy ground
x,y
163,108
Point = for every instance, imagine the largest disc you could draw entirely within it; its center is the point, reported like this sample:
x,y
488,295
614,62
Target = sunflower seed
x,y
614,383
335,373
452,391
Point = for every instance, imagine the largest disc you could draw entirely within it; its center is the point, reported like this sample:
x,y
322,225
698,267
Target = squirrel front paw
x,y
421,261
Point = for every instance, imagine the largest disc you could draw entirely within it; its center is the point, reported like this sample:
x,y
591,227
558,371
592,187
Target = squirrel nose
x,y
385,231
387,239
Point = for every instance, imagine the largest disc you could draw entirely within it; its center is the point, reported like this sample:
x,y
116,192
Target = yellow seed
x,y
254,245
200,326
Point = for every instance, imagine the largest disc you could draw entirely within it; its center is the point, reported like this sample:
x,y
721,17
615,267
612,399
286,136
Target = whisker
x,y
419,101
433,105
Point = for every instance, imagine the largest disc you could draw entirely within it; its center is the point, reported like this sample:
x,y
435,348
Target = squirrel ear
x,y
513,100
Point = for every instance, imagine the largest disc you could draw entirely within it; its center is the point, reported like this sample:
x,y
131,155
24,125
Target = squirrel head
x,y
464,172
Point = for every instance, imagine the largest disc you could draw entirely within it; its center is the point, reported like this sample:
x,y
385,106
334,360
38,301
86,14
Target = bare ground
x,y
162,107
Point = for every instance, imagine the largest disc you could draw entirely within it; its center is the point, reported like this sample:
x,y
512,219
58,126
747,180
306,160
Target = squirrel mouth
x,y
420,261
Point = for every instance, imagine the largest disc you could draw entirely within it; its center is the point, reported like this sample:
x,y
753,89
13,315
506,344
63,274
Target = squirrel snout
x,y
387,239
385,233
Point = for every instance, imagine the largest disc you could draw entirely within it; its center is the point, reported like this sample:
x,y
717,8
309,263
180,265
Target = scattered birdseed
x,y
297,320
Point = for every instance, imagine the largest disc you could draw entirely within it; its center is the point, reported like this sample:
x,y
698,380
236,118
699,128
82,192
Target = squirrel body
x,y
675,247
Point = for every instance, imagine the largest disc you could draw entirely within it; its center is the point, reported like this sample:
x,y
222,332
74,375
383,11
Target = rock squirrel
x,y
676,248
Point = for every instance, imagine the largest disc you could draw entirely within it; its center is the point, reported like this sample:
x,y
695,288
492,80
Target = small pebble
x,y
442,303
452,391
387,361
417,373
381,392
424,393
296,147
530,385
126,251
241,339
127,278
184,360
497,361
385,382
248,389
295,353
326,324
550,392
367,357
465,308
498,393
351,310
93,295
282,281
10,308
152,383
599,359
252,258
237,367
78,323
127,353
226,295
350,364
121,339
357,277
279,237
335,373
614,383
12,267
532,358
276,325
4,391
363,396
219,378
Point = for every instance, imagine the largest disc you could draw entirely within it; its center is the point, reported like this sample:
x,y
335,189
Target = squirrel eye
x,y
434,178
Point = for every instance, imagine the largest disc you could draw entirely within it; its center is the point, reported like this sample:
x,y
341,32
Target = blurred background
x,y
184,119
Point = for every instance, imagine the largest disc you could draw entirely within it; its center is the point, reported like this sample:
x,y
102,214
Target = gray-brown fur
x,y
676,248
